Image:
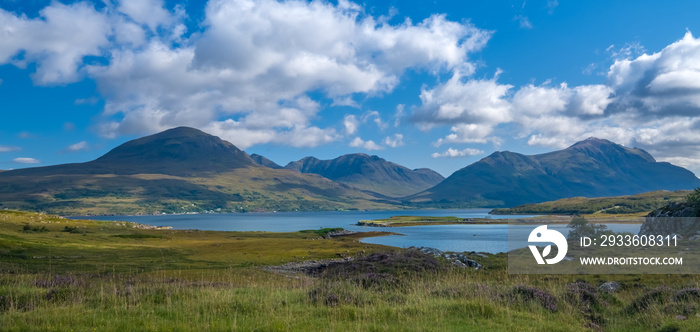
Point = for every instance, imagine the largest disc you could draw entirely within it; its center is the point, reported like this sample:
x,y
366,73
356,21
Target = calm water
x,y
481,238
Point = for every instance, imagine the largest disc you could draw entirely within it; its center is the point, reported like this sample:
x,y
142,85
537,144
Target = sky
x,y
437,84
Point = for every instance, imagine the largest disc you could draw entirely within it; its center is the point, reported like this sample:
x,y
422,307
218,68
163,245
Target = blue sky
x,y
437,84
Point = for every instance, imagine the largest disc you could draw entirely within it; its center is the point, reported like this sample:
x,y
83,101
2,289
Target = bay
x,y
492,238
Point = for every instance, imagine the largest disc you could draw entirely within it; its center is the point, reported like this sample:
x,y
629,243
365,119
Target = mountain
x,y
179,151
370,173
591,168
260,160
175,171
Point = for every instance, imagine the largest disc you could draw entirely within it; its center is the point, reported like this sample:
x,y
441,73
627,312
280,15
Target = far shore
x,y
404,221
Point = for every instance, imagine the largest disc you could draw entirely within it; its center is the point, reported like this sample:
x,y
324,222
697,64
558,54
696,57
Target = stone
x,y
610,286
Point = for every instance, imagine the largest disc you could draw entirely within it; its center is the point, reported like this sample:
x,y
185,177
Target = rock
x,y
454,258
342,232
610,286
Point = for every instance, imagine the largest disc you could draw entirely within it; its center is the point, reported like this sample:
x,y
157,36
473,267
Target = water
x,y
480,238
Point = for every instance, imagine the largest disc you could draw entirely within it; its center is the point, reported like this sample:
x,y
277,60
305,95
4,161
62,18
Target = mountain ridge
x,y
176,171
370,173
591,168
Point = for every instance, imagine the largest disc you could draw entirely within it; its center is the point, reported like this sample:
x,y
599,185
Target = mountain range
x,y
175,171
591,168
370,173
186,170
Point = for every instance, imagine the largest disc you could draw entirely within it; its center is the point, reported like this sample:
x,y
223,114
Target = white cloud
x,y
523,21
469,133
394,141
535,100
399,114
26,161
248,70
662,84
8,148
454,153
467,102
148,12
376,118
57,40
351,123
367,145
345,101
77,147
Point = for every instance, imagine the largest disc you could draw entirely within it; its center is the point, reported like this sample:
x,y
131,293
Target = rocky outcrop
x,y
341,232
456,259
674,219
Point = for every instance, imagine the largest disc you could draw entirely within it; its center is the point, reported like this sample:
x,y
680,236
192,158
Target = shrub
x,y
656,296
527,293
34,229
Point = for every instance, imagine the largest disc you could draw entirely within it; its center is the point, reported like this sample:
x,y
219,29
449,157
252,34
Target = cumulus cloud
x,y
246,73
375,117
454,153
469,133
394,141
56,41
351,123
464,100
147,12
367,145
24,160
662,84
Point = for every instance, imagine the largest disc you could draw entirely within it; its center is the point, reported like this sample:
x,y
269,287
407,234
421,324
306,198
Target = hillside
x,y
370,173
590,168
607,205
260,160
179,170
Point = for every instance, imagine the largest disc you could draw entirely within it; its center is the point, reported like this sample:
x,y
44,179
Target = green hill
x,y
608,205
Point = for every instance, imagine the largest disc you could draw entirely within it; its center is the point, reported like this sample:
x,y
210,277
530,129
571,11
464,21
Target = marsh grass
x,y
170,280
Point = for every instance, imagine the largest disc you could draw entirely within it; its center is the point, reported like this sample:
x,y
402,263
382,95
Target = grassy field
x,y
401,221
62,275
601,205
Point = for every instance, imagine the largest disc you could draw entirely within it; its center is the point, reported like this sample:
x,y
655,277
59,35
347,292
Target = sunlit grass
x,y
211,281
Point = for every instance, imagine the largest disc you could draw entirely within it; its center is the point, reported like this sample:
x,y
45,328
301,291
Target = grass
x,y
163,280
401,221
605,206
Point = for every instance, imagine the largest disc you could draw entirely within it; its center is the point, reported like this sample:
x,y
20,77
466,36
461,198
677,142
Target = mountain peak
x,y
181,132
176,151
593,141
